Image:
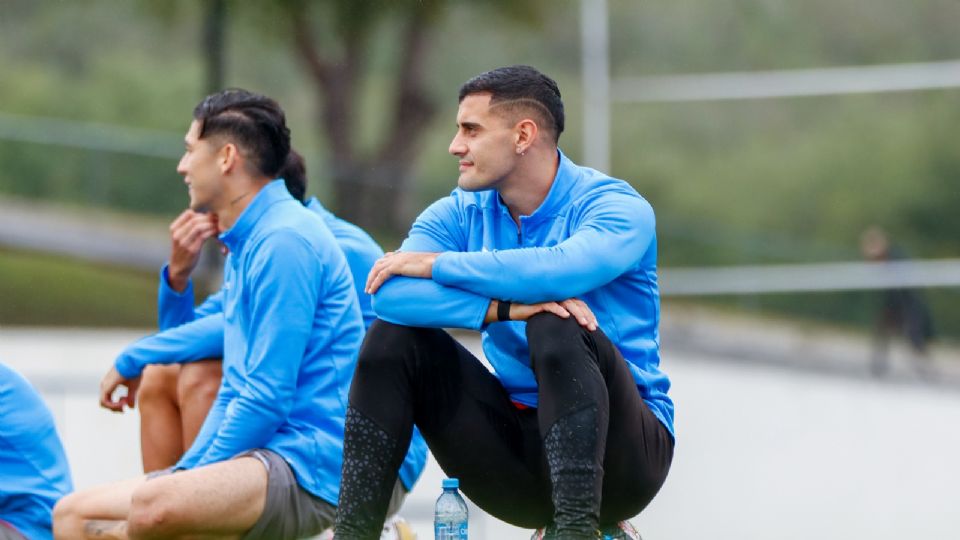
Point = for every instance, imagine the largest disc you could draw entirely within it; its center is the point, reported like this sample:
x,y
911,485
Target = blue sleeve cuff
x,y
126,367
173,308
167,290
438,273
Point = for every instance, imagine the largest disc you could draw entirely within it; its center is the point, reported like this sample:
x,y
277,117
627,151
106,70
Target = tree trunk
x,y
373,198
214,47
214,44
371,191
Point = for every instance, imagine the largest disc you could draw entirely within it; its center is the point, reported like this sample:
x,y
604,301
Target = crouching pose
x,y
556,265
267,459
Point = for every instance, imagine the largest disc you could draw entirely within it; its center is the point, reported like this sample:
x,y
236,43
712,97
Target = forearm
x,y
491,316
425,303
196,340
607,241
528,276
174,301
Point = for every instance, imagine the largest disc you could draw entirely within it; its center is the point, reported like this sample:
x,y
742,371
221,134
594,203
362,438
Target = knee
x,y
200,380
554,339
150,516
159,384
385,342
67,518
548,327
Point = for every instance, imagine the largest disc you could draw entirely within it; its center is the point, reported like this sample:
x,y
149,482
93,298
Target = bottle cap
x,y
451,483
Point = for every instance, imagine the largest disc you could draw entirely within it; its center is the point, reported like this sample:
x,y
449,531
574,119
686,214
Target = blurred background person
x,y
902,312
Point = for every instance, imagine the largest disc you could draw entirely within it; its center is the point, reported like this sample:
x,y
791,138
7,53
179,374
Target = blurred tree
x,y
214,43
214,46
367,188
333,38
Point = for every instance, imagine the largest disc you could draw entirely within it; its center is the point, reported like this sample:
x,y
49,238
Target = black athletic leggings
x,y
423,376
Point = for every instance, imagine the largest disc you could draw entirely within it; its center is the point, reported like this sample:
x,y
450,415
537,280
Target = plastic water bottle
x,y
450,515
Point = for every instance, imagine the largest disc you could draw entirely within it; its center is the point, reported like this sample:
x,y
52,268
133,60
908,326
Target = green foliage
x,y
42,290
792,180
732,182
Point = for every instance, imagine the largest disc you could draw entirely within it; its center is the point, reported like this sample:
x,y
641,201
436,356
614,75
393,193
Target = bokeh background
x,y
95,96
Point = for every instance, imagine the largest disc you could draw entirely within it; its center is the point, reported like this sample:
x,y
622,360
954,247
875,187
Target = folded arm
x,y
425,303
610,238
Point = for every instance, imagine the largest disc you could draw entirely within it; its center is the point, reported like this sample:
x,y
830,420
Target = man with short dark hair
x,y
179,393
174,398
556,265
265,463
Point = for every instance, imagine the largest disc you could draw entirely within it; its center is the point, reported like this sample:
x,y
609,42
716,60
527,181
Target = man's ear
x,y
525,133
229,158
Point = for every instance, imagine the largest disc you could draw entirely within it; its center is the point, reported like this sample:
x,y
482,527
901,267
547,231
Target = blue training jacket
x,y
592,238
34,473
191,333
292,329
358,247
361,252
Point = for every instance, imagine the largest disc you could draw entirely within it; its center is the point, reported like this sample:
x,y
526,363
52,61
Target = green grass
x,y
50,290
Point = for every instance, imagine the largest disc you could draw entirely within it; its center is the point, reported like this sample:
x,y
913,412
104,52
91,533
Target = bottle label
x,y
450,531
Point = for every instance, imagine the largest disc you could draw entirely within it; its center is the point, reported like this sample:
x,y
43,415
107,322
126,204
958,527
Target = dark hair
x,y
294,174
255,123
521,87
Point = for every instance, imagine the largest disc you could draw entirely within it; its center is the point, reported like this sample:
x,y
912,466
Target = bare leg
x,y
196,390
110,502
220,500
105,529
174,401
161,439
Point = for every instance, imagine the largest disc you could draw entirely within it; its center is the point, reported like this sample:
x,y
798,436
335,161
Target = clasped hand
x,y
571,307
400,263
109,385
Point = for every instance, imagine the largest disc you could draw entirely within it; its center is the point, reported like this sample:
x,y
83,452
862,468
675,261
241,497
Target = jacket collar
x,y
272,193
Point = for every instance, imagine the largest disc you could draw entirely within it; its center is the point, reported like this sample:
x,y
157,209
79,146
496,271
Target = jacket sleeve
x,y
287,278
424,302
176,308
197,340
610,237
